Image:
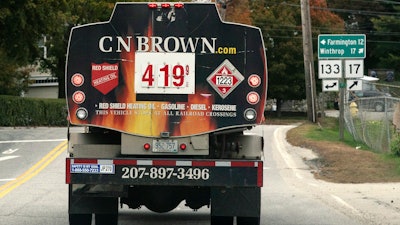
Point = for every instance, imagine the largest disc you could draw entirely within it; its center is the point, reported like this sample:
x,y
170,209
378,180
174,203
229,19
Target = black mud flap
x,y
81,208
236,202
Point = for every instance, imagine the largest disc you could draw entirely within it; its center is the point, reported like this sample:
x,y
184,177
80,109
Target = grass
x,y
343,161
328,130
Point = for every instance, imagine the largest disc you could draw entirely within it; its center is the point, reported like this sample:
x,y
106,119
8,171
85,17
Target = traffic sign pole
x,y
342,93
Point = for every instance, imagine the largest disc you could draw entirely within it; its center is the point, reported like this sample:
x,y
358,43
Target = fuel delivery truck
x,y
160,100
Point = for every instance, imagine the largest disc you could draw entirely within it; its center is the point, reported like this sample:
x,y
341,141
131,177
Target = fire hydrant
x,y
353,109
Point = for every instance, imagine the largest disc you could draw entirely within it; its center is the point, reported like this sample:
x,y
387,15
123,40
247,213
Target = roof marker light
x,y
178,5
165,5
152,5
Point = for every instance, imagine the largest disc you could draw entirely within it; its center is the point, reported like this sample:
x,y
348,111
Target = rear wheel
x,y
106,219
221,220
80,219
248,221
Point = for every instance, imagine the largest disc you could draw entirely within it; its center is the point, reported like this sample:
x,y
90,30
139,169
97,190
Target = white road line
x,y
9,179
27,141
344,203
10,151
285,156
4,158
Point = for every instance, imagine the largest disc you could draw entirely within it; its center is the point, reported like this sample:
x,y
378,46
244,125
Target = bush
x,y
395,145
17,111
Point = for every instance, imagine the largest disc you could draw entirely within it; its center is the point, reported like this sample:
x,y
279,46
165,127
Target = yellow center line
x,y
34,170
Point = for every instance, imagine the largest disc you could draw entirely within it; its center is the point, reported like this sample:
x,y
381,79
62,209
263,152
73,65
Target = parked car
x,y
371,100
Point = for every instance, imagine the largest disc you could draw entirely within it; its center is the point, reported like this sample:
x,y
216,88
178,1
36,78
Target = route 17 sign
x,y
225,78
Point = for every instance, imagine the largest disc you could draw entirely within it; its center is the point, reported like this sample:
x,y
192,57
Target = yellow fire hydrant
x,y
353,109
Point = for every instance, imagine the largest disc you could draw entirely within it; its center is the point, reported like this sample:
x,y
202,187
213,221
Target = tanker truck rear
x,y
162,94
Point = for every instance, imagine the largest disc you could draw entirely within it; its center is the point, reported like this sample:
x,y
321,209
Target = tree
x,y
13,80
387,28
22,24
76,12
359,17
280,22
281,27
238,12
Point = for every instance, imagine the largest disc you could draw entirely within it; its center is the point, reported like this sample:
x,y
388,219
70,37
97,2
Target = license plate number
x,y
165,146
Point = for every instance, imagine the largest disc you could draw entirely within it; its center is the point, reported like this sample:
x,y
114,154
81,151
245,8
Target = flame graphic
x,y
196,123
152,119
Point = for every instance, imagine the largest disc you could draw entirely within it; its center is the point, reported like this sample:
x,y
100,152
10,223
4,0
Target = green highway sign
x,y
341,46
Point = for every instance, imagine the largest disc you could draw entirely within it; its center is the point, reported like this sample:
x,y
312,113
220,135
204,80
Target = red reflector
x,y
182,146
152,5
146,146
178,5
165,5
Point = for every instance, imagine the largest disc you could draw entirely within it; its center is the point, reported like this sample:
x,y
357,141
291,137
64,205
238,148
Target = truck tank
x,y
164,92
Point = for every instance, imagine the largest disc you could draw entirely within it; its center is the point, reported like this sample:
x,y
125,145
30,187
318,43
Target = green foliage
x,y
281,28
13,80
395,145
380,22
280,22
388,47
17,111
328,130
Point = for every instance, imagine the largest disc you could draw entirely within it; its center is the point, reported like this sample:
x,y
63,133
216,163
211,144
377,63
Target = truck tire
x,y
80,219
248,221
221,220
106,219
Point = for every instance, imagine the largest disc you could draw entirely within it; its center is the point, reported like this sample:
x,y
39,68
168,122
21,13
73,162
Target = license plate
x,y
165,146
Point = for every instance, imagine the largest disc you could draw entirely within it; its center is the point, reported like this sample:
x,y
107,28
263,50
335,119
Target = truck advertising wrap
x,y
177,69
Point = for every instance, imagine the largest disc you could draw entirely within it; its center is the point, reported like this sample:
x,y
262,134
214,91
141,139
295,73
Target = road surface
x,y
33,189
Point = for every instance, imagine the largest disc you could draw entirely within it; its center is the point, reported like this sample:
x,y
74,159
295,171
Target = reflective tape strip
x,y
161,162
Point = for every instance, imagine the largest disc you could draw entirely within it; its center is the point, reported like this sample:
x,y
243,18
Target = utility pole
x,y
223,4
308,61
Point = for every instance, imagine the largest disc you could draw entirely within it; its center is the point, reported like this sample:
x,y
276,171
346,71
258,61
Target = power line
x,y
360,12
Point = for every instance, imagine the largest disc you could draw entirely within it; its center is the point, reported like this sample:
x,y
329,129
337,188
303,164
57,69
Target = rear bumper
x,y
165,172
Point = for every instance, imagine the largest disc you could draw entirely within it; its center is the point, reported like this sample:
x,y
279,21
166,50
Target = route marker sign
x,y
354,68
329,69
330,85
341,46
354,85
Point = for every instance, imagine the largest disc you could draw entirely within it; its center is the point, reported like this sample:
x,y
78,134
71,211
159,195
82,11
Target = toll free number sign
x,y
164,73
334,69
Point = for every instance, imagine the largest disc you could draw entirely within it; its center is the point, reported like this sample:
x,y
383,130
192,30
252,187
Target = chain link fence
x,y
372,116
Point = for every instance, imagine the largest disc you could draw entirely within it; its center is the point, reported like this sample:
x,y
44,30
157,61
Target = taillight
x,y
146,146
78,97
182,146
